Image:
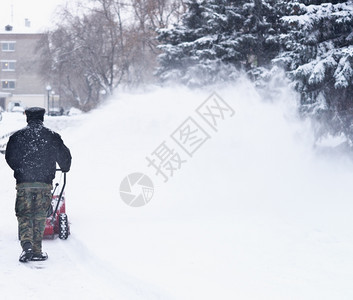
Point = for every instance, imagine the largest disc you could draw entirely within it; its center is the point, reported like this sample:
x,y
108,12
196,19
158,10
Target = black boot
x,y
39,256
27,252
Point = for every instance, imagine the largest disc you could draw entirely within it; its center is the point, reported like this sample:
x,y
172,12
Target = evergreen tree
x,y
318,53
191,47
218,33
311,40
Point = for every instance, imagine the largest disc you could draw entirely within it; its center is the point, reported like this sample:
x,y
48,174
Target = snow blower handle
x,y
60,195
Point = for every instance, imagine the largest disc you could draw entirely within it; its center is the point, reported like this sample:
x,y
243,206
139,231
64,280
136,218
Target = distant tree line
x,y
107,43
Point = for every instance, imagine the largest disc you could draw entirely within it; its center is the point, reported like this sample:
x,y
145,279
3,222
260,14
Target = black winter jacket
x,y
33,152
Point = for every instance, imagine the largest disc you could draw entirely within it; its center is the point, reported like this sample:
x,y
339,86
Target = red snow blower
x,y
57,221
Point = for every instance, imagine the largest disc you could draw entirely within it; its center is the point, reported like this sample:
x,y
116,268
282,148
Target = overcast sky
x,y
39,12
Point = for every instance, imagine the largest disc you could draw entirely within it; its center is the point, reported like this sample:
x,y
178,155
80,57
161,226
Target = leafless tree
x,y
148,16
102,43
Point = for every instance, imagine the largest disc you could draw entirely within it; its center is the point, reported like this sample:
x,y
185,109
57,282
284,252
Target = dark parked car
x,y
56,112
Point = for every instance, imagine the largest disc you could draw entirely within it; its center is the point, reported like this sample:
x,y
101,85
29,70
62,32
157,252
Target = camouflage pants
x,y
32,203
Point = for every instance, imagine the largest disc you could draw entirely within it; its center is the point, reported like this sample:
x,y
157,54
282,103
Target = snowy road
x,y
254,213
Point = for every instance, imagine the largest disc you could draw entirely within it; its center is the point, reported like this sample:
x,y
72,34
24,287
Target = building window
x,y
8,46
8,84
8,65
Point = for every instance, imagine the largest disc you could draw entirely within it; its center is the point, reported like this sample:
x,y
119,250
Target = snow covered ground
x,y
255,213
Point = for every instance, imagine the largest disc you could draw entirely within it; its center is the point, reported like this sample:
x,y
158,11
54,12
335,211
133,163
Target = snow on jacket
x,y
33,152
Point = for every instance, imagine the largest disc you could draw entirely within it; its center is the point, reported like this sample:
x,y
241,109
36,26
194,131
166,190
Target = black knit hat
x,y
35,113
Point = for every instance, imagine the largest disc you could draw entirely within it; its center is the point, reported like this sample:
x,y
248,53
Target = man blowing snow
x,y
32,153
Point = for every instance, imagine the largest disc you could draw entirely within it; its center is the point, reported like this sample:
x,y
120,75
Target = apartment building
x,y
19,73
